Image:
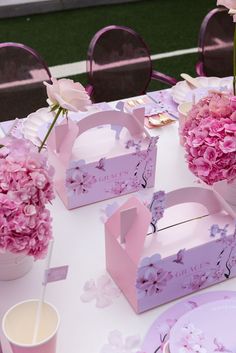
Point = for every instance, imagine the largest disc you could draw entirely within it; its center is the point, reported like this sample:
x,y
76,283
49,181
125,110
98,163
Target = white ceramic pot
x,y
230,193
13,266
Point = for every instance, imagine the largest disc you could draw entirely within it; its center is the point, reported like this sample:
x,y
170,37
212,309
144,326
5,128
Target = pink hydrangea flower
x,y
209,136
26,186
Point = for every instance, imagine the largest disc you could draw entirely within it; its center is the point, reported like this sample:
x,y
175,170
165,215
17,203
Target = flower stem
x,y
234,63
51,127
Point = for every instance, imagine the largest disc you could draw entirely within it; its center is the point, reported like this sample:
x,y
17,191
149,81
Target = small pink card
x,y
54,274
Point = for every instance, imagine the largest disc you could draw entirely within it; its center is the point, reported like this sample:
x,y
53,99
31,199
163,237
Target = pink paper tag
x,y
55,274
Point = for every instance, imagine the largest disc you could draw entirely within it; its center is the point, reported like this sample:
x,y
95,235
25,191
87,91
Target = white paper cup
x,y
183,110
18,326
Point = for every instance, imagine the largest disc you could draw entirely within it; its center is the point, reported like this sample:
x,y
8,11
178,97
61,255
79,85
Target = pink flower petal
x,y
132,342
115,339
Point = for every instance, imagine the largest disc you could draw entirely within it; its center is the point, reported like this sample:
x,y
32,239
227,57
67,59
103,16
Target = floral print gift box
x,y
103,155
193,248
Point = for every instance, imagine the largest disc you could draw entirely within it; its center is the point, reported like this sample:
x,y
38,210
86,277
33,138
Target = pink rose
x,y
67,94
231,5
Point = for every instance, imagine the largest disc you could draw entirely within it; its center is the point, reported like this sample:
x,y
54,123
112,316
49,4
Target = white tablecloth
x,y
79,242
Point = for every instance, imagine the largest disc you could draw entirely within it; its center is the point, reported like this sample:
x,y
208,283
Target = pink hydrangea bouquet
x,y
25,188
210,138
26,180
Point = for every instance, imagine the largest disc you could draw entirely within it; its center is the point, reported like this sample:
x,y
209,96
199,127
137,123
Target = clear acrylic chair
x,y
216,44
119,65
22,72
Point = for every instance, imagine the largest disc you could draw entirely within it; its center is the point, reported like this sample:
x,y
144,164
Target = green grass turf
x,y
63,37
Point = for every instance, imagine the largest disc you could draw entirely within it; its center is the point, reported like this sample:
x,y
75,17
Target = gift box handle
x,y
64,135
133,122
203,196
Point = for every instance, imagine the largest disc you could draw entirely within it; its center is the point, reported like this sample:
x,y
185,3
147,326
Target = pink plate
x,y
158,334
208,328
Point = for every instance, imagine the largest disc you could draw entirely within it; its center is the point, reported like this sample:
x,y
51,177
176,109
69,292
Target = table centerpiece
x,y
26,186
209,136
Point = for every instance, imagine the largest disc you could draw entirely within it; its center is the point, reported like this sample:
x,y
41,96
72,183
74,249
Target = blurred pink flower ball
x,y
26,186
210,138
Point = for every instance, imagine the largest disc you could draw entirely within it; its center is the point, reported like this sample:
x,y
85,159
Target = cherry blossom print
x,y
101,164
197,281
151,279
119,344
180,257
192,340
157,207
103,291
219,347
80,181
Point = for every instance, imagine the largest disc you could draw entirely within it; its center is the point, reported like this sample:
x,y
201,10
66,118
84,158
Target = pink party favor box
x,y
193,248
105,154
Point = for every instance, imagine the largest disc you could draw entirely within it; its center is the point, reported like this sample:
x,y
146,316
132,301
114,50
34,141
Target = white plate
x,y
208,328
182,92
36,124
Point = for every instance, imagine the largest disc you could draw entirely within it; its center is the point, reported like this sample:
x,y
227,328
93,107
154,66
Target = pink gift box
x,y
105,154
194,247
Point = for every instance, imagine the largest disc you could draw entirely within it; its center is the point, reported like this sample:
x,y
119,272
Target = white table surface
x,y
79,242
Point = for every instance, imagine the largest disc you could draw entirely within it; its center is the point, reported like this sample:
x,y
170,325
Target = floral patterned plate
x,y
182,92
208,328
158,334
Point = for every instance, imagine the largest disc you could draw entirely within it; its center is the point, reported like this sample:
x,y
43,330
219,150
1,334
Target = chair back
x,y
22,72
118,65
216,44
